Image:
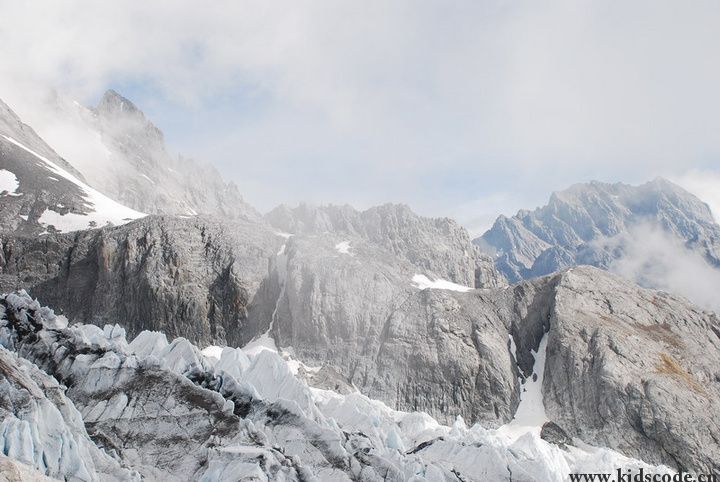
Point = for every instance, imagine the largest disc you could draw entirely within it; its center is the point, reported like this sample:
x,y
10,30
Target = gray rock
x,y
553,433
184,276
572,227
439,246
634,369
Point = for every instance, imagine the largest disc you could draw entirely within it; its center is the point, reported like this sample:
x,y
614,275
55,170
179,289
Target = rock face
x,y
634,369
622,362
570,229
438,246
183,276
361,313
444,351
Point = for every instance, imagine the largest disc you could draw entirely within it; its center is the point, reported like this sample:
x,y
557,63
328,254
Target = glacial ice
x,y
367,439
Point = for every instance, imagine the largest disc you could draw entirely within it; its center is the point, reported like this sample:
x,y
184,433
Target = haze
x,y
465,109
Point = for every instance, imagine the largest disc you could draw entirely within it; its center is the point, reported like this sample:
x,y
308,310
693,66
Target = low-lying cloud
x,y
652,257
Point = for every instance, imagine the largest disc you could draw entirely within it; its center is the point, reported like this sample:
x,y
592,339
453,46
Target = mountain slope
x,y
122,154
41,192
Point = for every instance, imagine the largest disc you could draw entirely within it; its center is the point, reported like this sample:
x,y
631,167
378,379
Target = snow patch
x,y
8,183
530,415
422,282
106,211
344,248
212,351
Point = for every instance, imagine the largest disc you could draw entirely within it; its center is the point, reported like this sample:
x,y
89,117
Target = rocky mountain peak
x,y
575,224
122,116
439,245
112,103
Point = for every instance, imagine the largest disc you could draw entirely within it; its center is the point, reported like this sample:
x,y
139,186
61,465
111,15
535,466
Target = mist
x,y
460,110
654,258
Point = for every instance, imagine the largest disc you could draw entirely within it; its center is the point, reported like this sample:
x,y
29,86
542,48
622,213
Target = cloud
x,y
653,258
436,104
705,184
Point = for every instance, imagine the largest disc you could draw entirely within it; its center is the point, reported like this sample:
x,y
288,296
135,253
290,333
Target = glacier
x,y
82,403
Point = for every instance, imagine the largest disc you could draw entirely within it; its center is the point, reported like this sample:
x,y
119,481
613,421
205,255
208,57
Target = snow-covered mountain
x,y
40,192
657,234
123,154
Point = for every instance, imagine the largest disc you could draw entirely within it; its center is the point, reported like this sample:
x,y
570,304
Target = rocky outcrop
x,y
574,226
438,246
184,276
634,369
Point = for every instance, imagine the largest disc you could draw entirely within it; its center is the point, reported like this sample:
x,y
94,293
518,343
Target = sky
x,y
465,109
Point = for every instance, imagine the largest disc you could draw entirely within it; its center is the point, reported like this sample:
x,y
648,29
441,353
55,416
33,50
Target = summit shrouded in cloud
x,y
444,107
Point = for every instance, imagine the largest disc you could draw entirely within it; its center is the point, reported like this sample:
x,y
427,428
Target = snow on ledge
x,y
8,182
422,282
344,248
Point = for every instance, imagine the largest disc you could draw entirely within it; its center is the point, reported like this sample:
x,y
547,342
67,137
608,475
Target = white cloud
x,y
653,258
386,100
705,184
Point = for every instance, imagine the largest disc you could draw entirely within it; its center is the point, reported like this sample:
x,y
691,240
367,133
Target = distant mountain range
x,y
641,232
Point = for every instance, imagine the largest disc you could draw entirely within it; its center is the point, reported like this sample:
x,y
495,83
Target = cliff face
x,y
633,368
619,358
183,276
438,246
